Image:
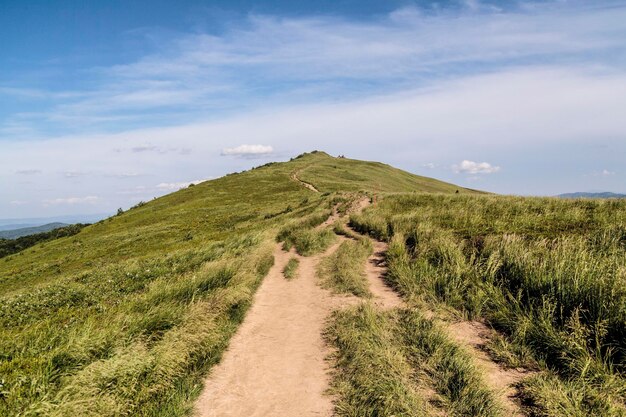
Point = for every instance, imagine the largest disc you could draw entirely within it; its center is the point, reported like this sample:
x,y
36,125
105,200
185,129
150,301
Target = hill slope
x,y
127,315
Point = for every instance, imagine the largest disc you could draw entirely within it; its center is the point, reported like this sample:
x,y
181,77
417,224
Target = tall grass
x,y
305,237
344,270
373,375
549,274
388,362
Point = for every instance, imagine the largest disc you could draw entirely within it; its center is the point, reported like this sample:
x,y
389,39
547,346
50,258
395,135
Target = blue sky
x,y
104,104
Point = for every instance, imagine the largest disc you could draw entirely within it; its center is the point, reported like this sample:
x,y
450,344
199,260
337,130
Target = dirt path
x,y
275,364
375,270
473,336
294,177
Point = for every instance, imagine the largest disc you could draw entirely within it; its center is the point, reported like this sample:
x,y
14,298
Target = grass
x,y
344,174
373,375
291,269
128,315
387,362
344,270
309,241
547,273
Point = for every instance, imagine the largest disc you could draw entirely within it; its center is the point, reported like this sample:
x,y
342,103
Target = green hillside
x,y
126,316
342,174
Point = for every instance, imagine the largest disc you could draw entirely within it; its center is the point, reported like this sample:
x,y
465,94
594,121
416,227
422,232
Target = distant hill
x,y
20,223
25,231
591,195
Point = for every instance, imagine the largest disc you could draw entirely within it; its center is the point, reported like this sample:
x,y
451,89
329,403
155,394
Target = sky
x,y
105,104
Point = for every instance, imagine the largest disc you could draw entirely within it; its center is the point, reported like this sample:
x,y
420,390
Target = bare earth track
x,y
311,187
275,365
276,362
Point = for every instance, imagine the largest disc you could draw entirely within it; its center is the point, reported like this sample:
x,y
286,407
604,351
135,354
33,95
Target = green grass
x,y
127,316
547,273
291,269
387,362
333,174
344,270
373,375
309,241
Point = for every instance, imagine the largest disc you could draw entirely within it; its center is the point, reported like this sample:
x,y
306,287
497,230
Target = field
x,y
549,275
129,315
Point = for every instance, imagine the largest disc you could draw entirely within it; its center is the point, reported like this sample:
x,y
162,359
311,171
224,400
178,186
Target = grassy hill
x,y
127,315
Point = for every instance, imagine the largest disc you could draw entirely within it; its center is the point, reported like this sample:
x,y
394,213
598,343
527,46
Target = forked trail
x,y
275,364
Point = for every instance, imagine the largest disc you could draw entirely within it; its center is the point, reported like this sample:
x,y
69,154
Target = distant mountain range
x,y
25,231
13,224
592,195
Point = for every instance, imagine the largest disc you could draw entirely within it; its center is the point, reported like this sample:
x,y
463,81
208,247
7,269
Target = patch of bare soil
x,y
474,336
294,177
384,296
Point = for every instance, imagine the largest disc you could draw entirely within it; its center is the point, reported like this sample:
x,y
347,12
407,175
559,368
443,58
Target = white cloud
x,y
18,202
430,165
72,200
471,167
28,171
606,173
74,174
174,186
248,151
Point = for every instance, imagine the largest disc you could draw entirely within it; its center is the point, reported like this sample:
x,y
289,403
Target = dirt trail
x,y
384,296
275,364
294,176
375,269
474,335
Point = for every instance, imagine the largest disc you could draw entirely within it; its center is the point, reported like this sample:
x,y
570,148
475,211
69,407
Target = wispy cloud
x,y
299,59
28,171
471,167
72,200
74,174
248,151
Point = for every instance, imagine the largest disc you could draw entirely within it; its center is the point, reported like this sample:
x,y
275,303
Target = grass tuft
x,y
344,270
291,269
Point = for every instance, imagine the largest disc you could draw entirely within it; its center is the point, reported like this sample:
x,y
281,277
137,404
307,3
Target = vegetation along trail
x,y
275,365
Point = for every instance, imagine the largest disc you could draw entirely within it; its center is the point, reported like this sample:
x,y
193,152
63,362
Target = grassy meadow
x,y
127,316
548,274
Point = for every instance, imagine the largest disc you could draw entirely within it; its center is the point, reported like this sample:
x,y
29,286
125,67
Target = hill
x,y
25,231
163,286
436,300
592,195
